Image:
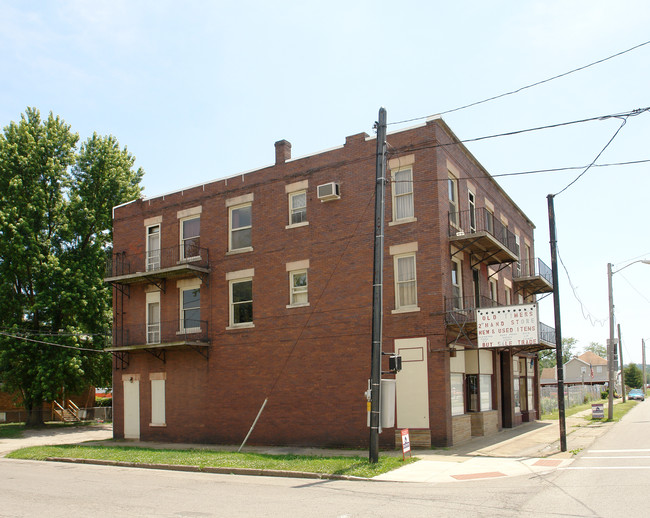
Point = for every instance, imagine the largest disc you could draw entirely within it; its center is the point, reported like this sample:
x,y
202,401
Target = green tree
x,y
633,376
55,232
598,349
548,357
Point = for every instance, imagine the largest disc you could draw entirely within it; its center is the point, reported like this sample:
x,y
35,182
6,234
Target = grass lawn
x,y
352,466
620,409
11,430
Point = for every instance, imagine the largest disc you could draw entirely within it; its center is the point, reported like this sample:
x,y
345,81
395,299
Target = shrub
x,y
103,401
604,394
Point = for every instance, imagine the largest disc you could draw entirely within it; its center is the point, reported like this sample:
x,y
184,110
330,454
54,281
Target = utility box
x,y
387,403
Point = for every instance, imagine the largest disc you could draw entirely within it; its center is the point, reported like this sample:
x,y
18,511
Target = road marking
x,y
616,451
619,457
472,476
585,468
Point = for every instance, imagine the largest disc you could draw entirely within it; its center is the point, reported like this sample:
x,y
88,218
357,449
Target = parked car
x,y
636,394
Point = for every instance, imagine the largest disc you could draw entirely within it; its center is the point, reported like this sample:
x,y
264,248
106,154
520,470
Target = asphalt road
x,y
611,479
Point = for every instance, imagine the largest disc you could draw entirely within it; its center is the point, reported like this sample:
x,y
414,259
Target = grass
x,y
620,409
352,466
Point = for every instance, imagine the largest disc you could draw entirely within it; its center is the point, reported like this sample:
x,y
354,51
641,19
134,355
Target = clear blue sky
x,y
202,90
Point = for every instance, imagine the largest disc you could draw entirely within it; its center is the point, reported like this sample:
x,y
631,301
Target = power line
x,y
16,337
525,87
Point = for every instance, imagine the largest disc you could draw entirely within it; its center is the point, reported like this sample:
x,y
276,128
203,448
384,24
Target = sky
x,y
200,90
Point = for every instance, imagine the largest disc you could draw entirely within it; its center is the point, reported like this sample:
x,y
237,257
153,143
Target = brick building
x,y
259,287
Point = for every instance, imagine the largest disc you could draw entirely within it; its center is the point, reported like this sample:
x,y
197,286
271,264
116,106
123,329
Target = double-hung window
x,y
452,189
471,200
405,282
153,248
153,317
403,207
241,302
298,286
241,224
297,207
190,231
456,285
190,309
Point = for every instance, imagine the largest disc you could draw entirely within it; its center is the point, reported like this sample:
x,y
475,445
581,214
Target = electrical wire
x,y
525,87
17,337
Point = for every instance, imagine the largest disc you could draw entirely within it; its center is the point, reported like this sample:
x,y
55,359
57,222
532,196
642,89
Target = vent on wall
x,y
329,191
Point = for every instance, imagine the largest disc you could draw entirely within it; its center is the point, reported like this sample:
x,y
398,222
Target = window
x,y
153,317
190,309
508,296
240,227
190,230
241,302
403,194
153,248
157,399
472,392
517,251
472,211
457,394
489,221
297,207
456,285
452,185
298,288
486,392
529,264
493,290
405,282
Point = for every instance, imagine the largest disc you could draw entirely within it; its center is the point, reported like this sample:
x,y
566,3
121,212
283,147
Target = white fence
x,y
573,395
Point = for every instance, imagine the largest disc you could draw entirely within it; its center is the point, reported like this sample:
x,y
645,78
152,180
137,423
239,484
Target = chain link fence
x,y
573,395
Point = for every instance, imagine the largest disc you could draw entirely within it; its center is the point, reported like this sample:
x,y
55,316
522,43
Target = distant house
x,y
548,376
588,368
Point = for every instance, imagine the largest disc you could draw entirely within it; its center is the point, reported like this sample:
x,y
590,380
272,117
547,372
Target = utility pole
x,y
610,346
377,290
558,324
643,359
620,359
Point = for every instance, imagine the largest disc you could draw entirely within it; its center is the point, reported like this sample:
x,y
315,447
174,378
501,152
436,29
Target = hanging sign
x,y
507,326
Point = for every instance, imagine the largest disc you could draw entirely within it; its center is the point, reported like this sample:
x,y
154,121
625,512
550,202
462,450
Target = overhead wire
x,y
512,92
53,344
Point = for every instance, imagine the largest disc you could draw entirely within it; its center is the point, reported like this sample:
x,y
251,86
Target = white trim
x,y
399,307
189,284
231,324
403,161
230,229
296,225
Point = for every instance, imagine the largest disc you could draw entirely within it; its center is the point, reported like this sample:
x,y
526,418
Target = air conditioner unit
x,y
329,191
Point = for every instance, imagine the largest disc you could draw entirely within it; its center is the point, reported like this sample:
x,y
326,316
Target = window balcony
x,y
160,336
533,276
479,233
177,261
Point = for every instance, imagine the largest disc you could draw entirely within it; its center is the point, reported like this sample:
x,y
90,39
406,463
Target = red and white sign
x,y
406,443
507,326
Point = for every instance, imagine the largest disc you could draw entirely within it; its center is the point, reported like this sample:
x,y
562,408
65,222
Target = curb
x,y
209,469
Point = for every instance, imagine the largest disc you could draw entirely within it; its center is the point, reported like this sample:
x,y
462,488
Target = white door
x,y
412,384
131,408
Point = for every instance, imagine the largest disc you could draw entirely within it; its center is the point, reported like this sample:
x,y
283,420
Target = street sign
x,y
406,443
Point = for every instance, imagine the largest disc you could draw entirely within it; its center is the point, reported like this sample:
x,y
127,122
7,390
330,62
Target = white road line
x,y
584,468
617,451
619,457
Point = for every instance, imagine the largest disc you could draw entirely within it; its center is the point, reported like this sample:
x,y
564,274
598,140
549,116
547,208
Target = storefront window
x,y
457,395
523,401
530,394
516,387
472,393
486,392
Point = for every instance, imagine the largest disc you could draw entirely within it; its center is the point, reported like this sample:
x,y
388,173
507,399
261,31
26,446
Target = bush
x,y
604,394
103,401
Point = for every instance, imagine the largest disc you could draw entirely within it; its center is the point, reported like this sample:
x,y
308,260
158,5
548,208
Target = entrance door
x,y
412,384
131,407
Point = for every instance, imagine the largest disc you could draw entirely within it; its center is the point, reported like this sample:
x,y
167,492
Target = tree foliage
x,y
548,357
55,230
633,376
598,349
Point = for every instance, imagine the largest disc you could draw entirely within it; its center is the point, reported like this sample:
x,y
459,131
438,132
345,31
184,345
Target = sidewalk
x,y
530,448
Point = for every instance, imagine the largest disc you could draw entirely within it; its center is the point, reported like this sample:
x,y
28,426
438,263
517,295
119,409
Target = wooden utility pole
x,y
377,290
620,360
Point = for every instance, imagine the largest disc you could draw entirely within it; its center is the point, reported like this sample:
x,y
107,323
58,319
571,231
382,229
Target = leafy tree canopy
x,y
633,376
548,357
598,349
56,203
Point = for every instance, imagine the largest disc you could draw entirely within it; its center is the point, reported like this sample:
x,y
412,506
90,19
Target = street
x,y
609,479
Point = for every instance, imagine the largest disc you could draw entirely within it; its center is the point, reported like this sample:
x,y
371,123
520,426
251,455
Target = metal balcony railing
x,y
532,268
462,309
125,263
160,333
546,334
467,222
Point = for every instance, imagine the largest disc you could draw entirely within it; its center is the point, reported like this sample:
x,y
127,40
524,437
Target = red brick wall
x,y
311,362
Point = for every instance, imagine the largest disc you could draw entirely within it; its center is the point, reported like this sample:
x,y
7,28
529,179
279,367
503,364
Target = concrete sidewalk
x,y
529,448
